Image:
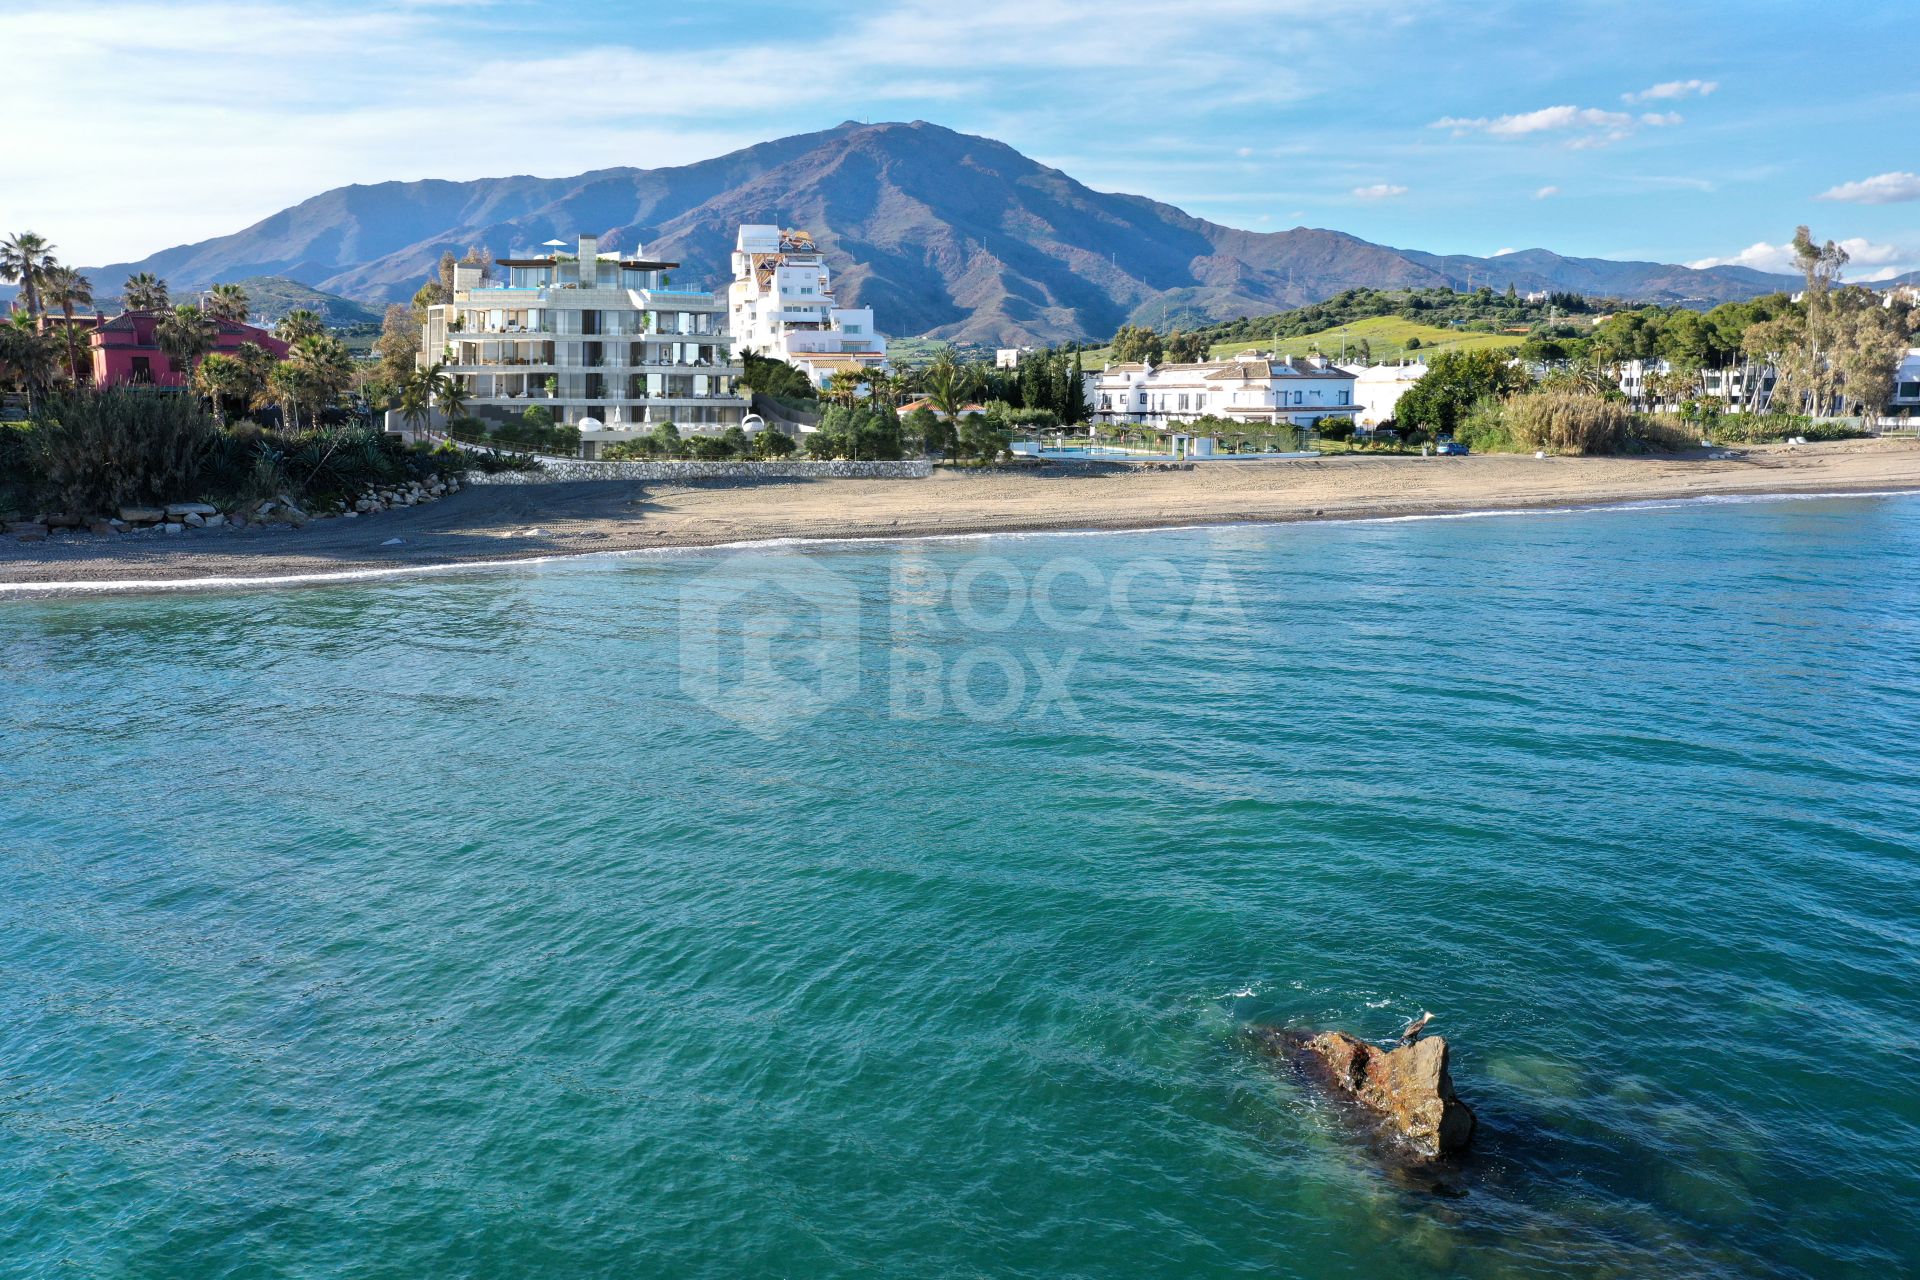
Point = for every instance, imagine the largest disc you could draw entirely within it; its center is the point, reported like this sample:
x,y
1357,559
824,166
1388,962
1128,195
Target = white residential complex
x,y
1250,388
596,337
782,306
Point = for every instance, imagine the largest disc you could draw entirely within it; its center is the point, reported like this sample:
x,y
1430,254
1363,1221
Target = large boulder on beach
x,y
1408,1089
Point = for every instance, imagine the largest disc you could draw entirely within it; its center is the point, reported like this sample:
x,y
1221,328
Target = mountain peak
x,y
941,232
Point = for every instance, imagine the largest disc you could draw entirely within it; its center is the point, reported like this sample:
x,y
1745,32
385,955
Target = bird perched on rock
x,y
1411,1032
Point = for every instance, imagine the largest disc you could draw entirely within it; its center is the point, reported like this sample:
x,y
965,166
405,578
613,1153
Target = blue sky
x,y
1683,132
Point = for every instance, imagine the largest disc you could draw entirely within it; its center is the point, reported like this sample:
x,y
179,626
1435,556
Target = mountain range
x,y
942,233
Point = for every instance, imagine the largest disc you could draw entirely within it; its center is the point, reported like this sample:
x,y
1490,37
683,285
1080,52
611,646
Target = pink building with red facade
x,y
126,352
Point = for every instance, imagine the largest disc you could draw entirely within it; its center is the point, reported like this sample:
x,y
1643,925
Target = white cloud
x,y
1673,89
1501,253
1760,255
1379,191
1546,119
1861,252
1546,193
1582,127
1884,188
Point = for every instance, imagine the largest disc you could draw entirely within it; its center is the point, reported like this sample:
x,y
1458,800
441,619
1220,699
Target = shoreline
x,y
610,519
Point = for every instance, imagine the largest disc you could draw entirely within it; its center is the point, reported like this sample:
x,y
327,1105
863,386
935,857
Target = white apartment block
x,y
596,337
1249,388
1735,387
782,307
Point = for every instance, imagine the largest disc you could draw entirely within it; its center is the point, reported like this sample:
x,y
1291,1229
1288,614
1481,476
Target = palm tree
x,y
256,364
28,356
24,259
844,386
451,393
416,400
285,386
428,388
949,385
224,379
144,292
66,289
299,324
228,302
317,370
186,334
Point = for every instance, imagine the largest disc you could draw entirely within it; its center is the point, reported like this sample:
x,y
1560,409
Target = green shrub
x,y
864,432
923,431
1483,429
982,439
773,444
1334,428
778,379
1771,428
16,473
97,450
665,441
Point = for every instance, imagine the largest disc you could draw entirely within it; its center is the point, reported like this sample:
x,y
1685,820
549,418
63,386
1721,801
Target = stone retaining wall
x,y
553,471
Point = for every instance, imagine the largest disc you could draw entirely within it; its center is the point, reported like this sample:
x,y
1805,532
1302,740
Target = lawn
x,y
1386,337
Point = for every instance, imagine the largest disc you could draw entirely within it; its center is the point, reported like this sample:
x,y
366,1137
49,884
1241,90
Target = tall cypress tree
x,y
1074,408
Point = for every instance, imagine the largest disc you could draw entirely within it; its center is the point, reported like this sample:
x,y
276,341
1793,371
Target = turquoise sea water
x,y
563,921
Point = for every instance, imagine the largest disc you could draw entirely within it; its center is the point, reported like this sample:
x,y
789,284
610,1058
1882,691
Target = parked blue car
x,y
1448,447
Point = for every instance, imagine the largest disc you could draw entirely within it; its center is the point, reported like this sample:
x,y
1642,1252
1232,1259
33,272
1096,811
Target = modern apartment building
x,y
1905,402
598,338
781,305
1250,388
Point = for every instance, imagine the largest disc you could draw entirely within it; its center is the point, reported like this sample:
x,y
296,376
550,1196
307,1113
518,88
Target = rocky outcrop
x,y
1408,1090
176,518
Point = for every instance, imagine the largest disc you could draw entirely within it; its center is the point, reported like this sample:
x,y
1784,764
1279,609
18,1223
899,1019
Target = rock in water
x,y
1409,1088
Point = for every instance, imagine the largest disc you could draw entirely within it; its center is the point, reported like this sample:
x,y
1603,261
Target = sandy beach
x,y
508,522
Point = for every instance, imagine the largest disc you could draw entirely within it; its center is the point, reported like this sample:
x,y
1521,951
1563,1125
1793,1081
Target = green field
x,y
1386,337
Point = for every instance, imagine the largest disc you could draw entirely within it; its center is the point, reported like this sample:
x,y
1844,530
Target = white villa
x,y
782,306
596,337
1250,388
1377,388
